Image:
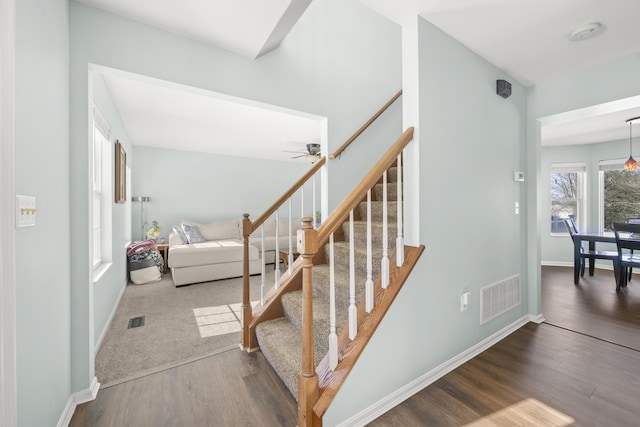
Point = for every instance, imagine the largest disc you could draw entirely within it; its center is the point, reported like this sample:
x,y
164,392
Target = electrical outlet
x,y
464,301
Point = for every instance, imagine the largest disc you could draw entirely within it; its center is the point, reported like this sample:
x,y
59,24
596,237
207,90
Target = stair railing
x,y
364,127
310,242
250,227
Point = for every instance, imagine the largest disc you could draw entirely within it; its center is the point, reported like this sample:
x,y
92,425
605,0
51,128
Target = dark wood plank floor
x,y
541,375
547,375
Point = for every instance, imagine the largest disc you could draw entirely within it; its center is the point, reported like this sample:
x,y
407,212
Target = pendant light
x,y
631,164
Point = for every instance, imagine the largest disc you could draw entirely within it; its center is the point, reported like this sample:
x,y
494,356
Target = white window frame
x,y
603,165
101,213
581,200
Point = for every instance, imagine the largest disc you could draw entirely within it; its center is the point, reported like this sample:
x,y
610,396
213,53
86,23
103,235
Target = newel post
x,y
246,305
308,391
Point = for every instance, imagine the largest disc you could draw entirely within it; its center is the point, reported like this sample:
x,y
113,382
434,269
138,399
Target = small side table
x,y
284,257
163,248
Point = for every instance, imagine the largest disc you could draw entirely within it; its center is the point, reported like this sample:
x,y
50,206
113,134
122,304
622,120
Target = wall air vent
x,y
499,298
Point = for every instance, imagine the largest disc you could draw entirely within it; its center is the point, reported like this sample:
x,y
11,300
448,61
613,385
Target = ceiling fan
x,y
312,154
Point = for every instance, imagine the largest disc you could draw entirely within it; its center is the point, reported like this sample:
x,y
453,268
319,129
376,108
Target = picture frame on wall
x,y
121,173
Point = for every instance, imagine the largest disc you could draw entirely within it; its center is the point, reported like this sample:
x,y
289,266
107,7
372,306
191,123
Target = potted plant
x,y
154,231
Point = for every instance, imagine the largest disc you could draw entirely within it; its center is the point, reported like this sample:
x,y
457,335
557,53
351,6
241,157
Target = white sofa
x,y
220,255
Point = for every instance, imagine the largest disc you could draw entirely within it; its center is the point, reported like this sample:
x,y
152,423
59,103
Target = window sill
x,y
100,271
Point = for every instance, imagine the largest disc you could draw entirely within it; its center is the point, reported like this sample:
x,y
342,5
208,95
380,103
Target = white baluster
x,y
399,239
316,224
369,282
353,311
333,338
384,267
290,256
277,254
302,201
262,272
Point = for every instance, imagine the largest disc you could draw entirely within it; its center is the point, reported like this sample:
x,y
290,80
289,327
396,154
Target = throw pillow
x,y
193,233
180,232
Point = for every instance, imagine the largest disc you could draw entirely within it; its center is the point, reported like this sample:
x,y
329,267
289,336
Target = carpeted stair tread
x,y
360,234
377,211
292,305
392,191
342,257
281,344
321,283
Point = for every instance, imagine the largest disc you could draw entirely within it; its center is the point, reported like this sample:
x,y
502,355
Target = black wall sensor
x,y
503,88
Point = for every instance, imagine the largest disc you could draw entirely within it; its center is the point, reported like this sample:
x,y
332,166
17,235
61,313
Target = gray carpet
x,y
180,325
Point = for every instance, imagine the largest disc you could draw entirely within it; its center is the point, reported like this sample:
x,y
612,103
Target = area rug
x,y
171,326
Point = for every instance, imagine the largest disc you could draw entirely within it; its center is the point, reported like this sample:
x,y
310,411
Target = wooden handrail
x,y
365,126
353,199
290,192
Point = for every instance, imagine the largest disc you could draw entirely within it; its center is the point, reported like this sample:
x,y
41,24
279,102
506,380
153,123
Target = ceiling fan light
x,y
312,158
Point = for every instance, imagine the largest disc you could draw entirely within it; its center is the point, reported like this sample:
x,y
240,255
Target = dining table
x,y
592,238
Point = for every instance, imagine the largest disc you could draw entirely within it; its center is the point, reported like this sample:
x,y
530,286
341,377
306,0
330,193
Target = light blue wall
x,y
341,61
107,290
206,187
42,170
608,82
558,249
471,142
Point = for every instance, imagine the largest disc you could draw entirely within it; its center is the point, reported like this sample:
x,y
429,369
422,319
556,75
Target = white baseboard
x,y
76,399
108,323
536,318
390,401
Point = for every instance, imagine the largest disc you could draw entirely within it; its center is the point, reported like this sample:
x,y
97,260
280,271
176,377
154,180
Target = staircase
x,y
312,340
280,339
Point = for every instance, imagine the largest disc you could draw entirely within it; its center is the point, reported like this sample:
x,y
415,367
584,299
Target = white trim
x,y
77,399
100,271
8,390
393,399
109,320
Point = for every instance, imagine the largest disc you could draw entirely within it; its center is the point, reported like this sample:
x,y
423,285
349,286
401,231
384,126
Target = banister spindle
x,y
263,270
290,255
353,311
384,267
400,238
333,338
276,256
369,282
316,223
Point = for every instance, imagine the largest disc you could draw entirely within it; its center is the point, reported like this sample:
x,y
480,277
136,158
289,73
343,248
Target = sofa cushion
x,y
180,232
193,233
221,230
209,252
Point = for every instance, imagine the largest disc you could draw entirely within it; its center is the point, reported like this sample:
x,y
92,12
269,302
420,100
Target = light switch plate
x,y
25,211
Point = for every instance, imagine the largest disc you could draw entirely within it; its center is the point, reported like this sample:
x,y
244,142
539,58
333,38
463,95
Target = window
x,y
619,195
567,195
101,194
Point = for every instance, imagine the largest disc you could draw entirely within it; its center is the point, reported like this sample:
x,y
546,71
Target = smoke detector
x,y
585,31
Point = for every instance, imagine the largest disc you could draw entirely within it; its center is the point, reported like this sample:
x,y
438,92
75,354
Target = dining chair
x,y
627,240
632,220
591,255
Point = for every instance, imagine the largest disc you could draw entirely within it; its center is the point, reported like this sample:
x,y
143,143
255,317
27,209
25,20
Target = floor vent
x,y
136,322
499,298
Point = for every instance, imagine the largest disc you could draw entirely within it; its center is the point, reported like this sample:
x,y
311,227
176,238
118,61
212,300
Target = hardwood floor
x,y
232,388
547,375
541,375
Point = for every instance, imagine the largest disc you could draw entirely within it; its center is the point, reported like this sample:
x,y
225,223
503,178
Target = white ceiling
x,y
165,115
526,38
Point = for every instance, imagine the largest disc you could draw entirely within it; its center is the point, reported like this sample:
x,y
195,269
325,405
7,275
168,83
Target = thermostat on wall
x,y
518,176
